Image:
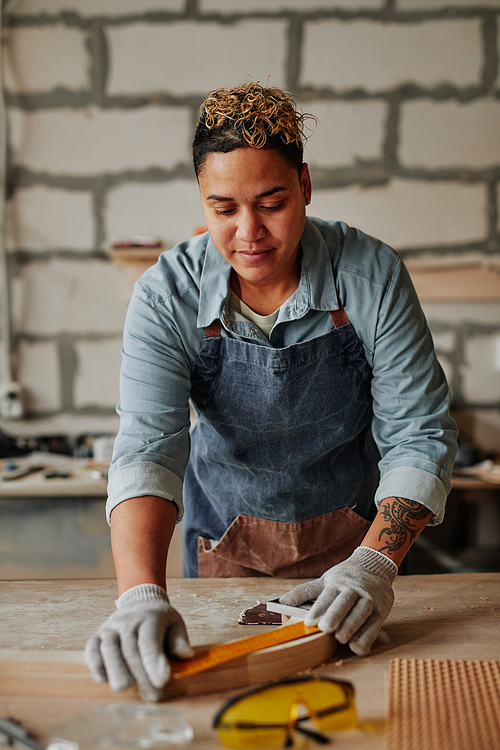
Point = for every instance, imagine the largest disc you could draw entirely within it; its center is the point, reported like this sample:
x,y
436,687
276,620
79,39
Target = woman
x,y
323,441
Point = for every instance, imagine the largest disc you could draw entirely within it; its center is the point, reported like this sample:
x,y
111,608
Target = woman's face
x,y
254,206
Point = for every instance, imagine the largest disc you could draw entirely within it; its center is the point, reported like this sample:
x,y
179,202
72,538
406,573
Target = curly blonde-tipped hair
x,y
250,115
258,111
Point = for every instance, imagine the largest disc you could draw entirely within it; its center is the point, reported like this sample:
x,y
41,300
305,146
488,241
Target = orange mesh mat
x,y
445,705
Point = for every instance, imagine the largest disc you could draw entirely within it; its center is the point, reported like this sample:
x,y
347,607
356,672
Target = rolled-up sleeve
x,y
412,426
152,446
141,478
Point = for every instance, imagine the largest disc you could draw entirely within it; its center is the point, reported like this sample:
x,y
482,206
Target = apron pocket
x,y
258,547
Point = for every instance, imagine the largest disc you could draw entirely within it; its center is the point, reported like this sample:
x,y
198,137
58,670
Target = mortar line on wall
x,y
55,99
73,19
294,53
68,366
82,99
490,59
457,360
74,336
389,12
493,217
24,177
370,174
98,207
191,8
385,14
98,49
391,140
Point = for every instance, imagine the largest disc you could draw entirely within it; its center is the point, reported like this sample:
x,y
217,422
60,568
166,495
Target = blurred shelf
x,y
455,280
81,481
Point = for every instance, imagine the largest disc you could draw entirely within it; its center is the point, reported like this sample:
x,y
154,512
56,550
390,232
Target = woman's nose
x,y
250,227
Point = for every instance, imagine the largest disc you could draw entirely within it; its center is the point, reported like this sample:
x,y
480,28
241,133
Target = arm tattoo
x,y
403,518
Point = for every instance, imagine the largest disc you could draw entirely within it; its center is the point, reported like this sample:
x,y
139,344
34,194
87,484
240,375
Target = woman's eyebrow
x,y
265,194
271,192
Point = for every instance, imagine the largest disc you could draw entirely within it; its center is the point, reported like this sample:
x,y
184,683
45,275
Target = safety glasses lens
x,y
270,716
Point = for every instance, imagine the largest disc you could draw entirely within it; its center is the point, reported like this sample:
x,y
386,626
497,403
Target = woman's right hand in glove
x,y
134,643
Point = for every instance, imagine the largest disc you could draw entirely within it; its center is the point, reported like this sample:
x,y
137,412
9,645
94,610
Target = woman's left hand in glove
x,y
353,598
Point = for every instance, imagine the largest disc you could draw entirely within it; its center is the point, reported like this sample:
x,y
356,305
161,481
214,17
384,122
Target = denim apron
x,y
283,465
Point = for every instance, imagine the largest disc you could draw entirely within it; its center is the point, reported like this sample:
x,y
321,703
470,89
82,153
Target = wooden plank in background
x,y
440,283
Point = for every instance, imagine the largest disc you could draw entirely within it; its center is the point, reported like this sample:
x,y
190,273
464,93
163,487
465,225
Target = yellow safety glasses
x,y
267,716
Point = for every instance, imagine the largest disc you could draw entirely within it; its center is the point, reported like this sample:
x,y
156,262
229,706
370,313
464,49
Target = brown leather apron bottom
x,y
281,549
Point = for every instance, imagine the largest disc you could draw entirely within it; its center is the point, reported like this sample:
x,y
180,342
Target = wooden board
x,y
32,673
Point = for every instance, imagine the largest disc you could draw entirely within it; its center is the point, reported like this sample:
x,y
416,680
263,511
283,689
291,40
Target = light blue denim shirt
x,y
188,289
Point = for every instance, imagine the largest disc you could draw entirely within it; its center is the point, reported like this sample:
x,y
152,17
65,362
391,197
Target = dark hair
x,y
250,116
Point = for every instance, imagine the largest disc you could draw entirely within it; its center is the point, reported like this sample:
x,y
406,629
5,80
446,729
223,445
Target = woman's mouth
x,y
254,256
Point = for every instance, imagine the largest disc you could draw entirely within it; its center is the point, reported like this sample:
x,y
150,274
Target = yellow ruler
x,y
232,650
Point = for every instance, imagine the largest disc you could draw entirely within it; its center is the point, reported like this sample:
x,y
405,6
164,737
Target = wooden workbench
x,y
451,616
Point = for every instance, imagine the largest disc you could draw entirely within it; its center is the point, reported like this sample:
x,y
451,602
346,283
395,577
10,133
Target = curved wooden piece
x,y
260,666
64,674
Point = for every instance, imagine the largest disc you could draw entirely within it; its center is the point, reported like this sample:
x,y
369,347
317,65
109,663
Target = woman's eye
x,y
224,211
265,207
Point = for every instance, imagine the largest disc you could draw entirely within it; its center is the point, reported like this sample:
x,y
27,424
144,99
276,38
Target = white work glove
x,y
352,599
132,645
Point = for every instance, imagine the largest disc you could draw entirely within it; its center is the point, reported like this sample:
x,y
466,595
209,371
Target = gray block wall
x,y
102,99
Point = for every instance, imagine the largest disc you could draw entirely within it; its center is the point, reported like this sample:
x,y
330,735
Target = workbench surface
x,y
449,616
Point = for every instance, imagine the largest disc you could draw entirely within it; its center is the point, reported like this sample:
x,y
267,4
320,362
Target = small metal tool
x,y
13,471
14,734
56,474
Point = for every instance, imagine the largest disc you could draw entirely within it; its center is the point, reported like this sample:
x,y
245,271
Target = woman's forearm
x,y
141,530
396,526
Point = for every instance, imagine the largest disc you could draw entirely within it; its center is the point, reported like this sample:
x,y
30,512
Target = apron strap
x,y
339,316
213,330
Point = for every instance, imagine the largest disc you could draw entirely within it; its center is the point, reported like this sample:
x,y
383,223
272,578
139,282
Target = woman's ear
x,y
305,181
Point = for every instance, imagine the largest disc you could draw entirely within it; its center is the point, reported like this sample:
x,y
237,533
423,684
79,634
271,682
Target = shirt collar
x,y
214,286
316,288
